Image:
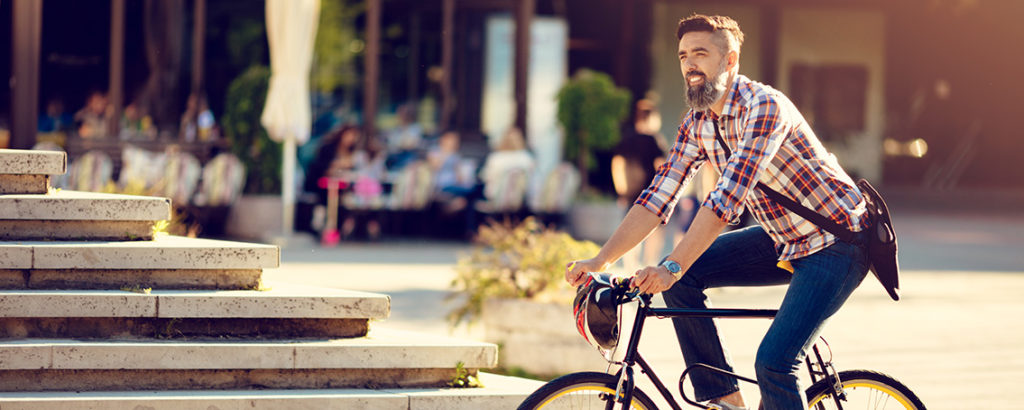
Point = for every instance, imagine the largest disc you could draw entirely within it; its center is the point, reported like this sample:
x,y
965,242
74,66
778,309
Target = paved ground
x,y
956,338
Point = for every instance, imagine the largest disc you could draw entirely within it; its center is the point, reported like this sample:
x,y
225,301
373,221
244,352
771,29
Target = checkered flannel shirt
x,y
770,142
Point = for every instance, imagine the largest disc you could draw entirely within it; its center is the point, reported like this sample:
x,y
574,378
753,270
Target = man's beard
x,y
710,90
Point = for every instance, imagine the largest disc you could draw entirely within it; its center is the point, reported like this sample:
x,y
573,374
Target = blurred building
x,y
916,92
911,92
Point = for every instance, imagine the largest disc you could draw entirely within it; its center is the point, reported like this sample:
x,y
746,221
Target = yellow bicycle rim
x,y
869,384
590,388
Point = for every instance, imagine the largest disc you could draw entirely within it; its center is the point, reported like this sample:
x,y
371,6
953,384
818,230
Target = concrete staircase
x,y
98,312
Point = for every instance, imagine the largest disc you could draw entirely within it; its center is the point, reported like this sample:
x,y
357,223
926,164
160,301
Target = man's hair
x,y
725,27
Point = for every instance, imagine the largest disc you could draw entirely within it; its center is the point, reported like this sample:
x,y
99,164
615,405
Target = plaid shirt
x,y
770,142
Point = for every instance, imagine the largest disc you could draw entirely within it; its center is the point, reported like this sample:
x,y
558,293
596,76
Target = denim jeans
x,y
820,284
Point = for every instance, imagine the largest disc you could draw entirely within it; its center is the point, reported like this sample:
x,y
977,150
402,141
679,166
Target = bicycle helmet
x,y
596,312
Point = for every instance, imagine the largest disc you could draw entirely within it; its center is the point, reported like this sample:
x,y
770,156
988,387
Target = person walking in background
x,y
640,152
751,133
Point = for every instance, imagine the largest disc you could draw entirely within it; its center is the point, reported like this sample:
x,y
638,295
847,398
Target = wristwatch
x,y
673,268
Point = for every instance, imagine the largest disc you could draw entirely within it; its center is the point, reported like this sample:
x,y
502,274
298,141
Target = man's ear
x,y
733,58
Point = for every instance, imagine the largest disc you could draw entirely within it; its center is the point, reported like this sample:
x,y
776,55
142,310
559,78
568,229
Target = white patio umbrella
x,y
291,32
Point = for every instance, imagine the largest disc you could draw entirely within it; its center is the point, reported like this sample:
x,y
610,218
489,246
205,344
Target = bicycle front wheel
x,y
586,390
864,389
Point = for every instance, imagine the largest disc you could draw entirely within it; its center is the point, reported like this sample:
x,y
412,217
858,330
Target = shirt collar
x,y
733,104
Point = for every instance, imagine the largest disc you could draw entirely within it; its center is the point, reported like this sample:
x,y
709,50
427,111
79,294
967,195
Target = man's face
x,y
705,69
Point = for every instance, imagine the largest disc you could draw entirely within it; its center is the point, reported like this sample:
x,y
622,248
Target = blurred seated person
x,y
197,122
55,119
91,120
510,154
405,140
344,155
453,176
135,124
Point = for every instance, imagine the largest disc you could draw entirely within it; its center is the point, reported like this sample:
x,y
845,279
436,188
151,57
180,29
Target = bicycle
x,y
830,389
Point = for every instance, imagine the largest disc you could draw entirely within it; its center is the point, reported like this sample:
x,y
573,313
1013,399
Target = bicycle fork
x,y
825,370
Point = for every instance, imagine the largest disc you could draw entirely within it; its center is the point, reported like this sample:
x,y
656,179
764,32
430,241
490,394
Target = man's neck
x,y
719,105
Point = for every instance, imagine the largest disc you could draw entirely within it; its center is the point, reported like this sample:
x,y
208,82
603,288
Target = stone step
x,y
382,359
73,215
28,172
498,392
286,311
166,262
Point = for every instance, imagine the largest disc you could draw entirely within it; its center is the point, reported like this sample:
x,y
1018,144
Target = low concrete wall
x,y
255,217
540,338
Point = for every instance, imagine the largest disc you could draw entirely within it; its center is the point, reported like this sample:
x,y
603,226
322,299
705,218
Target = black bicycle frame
x,y
633,357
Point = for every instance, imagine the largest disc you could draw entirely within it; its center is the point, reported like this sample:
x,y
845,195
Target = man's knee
x,y
771,362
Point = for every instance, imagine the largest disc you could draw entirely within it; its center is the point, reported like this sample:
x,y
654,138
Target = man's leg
x,y
821,283
745,257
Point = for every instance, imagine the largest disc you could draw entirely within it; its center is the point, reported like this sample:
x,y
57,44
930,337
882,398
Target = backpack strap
x,y
807,213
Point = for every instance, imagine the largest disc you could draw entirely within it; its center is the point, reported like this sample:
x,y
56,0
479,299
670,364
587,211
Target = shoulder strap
x,y
807,213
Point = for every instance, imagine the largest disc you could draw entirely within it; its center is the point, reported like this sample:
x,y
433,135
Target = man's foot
x,y
721,405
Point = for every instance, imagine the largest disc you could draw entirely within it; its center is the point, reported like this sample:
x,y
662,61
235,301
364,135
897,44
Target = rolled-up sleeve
x,y
760,139
685,158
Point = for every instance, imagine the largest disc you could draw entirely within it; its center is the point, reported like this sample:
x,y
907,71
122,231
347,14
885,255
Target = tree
x,y
590,109
333,54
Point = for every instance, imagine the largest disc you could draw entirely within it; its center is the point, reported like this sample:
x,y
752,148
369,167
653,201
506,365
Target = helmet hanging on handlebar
x,y
596,312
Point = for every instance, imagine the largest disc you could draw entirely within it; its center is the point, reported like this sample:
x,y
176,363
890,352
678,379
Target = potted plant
x,y
591,109
513,282
261,156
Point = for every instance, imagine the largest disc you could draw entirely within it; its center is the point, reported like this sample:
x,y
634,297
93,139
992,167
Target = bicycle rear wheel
x,y
586,390
864,389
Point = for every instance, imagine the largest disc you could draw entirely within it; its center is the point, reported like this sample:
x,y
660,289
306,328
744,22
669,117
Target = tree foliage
x,y
590,109
249,141
334,57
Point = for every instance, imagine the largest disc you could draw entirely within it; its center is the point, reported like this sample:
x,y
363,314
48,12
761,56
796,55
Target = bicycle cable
x,y
830,356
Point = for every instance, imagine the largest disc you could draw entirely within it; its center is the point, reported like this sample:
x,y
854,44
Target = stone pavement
x,y
956,338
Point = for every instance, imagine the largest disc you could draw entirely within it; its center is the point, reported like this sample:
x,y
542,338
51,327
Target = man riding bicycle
x,y
765,140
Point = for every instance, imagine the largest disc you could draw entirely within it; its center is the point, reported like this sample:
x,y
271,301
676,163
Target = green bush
x,y
590,109
249,141
522,261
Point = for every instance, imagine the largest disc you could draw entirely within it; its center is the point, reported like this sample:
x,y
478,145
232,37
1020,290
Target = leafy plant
x,y
249,141
522,261
463,378
590,109
137,289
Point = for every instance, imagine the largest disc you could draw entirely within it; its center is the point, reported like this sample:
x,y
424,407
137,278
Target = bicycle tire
x,y
581,391
873,389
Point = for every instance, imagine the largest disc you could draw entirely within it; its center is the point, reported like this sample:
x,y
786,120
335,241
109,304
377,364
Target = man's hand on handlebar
x,y
576,272
653,279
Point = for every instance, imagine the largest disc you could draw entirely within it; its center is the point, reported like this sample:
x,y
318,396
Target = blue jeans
x,y
820,284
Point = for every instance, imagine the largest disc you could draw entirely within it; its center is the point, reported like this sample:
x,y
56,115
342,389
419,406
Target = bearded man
x,y
750,133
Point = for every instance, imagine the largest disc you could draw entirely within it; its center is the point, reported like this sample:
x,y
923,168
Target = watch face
x,y
672,266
